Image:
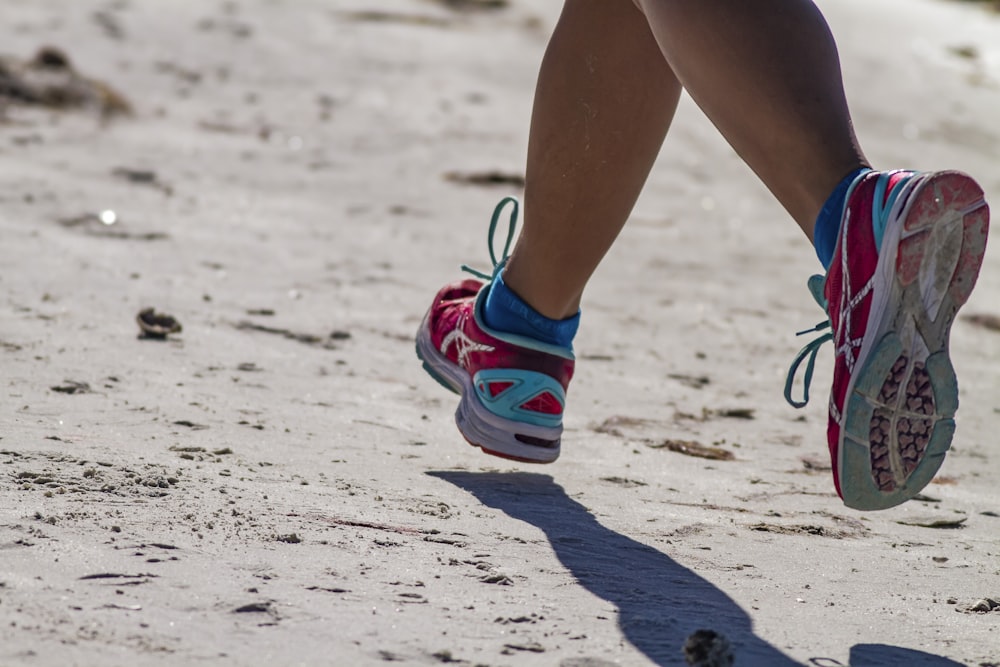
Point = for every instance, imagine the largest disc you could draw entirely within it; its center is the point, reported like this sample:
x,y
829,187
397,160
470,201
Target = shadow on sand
x,y
660,602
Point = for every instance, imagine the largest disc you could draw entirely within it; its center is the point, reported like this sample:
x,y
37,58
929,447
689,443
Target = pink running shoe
x,y
909,252
513,387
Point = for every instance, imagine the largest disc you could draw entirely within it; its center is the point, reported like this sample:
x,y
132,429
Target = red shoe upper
x,y
457,334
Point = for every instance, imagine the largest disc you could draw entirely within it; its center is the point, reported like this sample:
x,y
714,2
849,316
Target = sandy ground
x,y
280,483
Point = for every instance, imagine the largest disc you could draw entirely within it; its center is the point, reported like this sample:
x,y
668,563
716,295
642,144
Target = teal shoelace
x,y
811,349
511,228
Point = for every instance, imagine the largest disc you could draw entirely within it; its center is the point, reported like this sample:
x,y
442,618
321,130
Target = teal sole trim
x,y
944,383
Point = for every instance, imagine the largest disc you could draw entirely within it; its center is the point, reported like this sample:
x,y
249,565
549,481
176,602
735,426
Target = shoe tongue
x,y
816,288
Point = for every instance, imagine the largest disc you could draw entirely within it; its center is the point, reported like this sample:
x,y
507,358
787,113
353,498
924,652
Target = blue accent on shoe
x,y
525,385
832,215
882,207
506,311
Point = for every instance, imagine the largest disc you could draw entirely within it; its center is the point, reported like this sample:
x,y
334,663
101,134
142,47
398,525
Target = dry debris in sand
x,y
459,6
696,449
946,522
623,481
49,80
984,320
71,387
486,178
473,5
614,424
381,16
327,343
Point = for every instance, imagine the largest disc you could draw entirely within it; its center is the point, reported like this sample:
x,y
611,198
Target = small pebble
x,y
708,648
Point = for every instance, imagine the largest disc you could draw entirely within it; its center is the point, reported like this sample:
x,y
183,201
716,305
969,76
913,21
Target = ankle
x,y
537,291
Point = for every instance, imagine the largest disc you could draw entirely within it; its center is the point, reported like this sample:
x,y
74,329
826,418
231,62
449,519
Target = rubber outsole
x,y
898,420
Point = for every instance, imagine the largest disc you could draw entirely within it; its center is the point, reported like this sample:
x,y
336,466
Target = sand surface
x,y
281,484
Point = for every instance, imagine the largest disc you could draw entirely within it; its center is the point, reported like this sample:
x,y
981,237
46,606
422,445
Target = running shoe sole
x,y
898,418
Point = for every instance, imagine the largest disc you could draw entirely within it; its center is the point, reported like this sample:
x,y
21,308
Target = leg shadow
x,y
660,603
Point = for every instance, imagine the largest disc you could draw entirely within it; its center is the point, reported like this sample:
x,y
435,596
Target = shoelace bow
x,y
511,228
811,349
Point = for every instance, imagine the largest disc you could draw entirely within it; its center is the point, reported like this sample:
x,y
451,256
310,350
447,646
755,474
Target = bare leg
x,y
768,76
766,73
604,101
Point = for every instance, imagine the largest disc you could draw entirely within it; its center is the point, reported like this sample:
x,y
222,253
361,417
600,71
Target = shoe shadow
x,y
880,655
660,603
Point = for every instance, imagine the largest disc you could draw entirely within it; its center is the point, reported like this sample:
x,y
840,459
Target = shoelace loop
x,y
810,350
816,284
511,228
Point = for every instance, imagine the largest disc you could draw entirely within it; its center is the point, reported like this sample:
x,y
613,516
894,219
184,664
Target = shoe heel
x,y
505,438
944,238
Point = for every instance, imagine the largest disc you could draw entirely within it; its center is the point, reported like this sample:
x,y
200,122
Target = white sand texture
x,y
280,483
